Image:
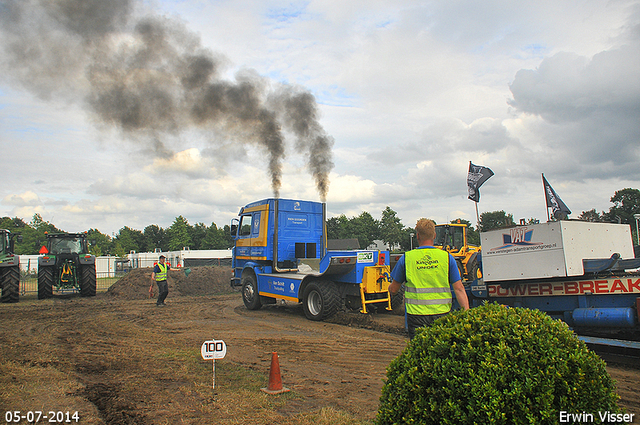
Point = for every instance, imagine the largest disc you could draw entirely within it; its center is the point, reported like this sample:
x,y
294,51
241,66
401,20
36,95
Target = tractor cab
x,y
453,239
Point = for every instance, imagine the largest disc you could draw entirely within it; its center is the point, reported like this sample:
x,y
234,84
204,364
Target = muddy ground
x,y
118,359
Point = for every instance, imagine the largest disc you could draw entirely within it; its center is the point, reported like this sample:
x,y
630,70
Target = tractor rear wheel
x,y
45,282
250,295
88,280
321,300
10,283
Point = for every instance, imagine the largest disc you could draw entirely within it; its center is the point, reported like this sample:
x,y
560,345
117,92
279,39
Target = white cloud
x,y
27,198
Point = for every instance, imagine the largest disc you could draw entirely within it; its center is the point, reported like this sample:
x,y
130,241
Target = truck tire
x,y
45,282
250,295
321,300
88,280
10,283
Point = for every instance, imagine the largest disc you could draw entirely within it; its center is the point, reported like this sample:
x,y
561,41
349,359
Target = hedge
x,y
495,365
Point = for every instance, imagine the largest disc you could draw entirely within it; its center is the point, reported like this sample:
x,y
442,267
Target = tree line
x,y
364,227
179,235
626,203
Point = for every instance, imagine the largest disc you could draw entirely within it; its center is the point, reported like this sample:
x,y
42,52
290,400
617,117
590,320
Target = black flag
x,y
477,175
559,209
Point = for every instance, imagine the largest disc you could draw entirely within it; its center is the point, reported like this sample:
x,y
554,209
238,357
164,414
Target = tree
x,y
228,239
592,215
155,237
178,234
406,243
118,251
365,228
130,239
495,220
626,203
33,234
391,228
338,227
99,244
197,234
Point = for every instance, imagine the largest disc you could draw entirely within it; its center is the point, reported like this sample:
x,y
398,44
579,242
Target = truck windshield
x,y
65,246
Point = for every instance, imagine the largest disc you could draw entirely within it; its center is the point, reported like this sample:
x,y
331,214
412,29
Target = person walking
x,y
429,274
159,276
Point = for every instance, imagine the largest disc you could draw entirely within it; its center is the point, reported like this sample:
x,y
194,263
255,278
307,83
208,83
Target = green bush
x,y
495,365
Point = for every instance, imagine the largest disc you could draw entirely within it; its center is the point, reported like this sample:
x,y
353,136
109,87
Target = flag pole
x,y
477,216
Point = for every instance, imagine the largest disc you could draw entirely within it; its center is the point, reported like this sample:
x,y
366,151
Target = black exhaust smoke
x,y
152,78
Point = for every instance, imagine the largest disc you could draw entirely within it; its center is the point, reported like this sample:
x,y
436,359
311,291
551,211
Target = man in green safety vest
x,y
159,276
428,274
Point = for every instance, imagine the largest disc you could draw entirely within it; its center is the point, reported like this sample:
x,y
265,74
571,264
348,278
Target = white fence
x,y
108,266
105,265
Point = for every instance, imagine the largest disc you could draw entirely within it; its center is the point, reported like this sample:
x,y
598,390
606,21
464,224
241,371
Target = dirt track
x,y
119,359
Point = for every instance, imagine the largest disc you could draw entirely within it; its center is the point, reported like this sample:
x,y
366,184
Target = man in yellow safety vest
x,y
159,276
429,274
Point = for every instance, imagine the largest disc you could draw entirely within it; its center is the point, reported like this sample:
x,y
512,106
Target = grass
x,y
237,398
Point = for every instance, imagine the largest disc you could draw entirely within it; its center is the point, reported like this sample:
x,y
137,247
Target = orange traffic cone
x,y
275,381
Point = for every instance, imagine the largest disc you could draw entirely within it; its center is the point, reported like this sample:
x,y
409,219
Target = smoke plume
x,y
150,77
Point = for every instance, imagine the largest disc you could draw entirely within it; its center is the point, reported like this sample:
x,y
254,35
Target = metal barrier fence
x,y
29,282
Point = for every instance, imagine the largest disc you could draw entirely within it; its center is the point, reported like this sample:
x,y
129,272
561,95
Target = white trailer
x,y
549,250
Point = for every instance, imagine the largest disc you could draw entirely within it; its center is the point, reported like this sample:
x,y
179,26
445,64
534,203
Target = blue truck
x,y
281,253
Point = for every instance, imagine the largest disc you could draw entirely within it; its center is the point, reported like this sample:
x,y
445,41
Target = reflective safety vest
x,y
163,272
427,290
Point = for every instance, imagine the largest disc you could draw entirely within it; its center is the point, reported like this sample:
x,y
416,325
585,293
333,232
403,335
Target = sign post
x,y
212,350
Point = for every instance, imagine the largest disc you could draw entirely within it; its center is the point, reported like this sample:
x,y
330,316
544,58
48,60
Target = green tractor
x,y
66,264
9,267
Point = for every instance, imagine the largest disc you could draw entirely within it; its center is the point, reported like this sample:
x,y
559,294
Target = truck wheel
x,y
88,280
10,282
250,295
45,282
320,300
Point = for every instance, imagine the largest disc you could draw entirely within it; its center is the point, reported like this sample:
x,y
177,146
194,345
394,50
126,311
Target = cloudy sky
x,y
130,113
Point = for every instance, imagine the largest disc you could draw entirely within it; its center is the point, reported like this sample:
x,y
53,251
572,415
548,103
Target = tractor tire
x,y
460,269
250,295
45,282
474,271
320,300
10,283
88,280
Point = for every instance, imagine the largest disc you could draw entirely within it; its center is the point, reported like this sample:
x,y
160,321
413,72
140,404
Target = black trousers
x,y
163,291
